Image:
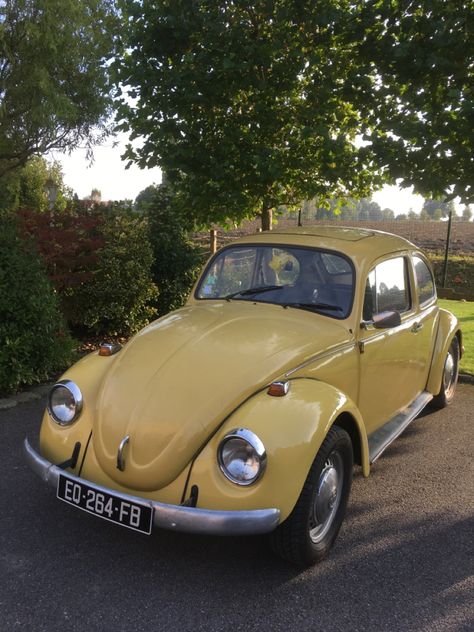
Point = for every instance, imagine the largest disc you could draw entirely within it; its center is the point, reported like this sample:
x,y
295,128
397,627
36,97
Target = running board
x,y
383,437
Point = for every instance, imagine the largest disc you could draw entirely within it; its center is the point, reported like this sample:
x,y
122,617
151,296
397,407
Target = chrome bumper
x,y
173,517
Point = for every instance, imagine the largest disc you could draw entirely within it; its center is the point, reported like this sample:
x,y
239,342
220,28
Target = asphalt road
x,y
403,561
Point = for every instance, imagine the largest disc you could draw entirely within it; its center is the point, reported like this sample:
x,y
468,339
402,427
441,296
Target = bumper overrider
x,y
165,516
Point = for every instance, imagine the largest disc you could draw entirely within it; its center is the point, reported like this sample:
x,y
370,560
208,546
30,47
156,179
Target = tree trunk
x,y
267,216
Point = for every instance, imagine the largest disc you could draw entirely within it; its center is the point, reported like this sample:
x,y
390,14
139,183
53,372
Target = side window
x,y
424,280
387,288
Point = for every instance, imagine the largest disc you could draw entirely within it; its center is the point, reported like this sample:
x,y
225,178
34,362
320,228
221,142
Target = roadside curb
x,y
38,392
35,393
466,379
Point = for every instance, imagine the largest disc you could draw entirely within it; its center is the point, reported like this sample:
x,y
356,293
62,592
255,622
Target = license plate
x,y
126,513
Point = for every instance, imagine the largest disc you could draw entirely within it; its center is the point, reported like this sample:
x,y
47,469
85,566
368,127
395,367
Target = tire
x,y
450,377
308,533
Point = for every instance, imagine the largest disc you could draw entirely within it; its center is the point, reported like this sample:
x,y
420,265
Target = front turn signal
x,y
278,389
108,349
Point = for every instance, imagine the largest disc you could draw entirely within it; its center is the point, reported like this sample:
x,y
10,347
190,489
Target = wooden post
x,y
213,240
446,250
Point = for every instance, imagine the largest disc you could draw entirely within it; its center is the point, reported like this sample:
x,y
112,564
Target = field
x,y
465,313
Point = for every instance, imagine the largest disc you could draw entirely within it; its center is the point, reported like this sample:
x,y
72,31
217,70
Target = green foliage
x,y
176,261
99,262
422,64
460,271
54,84
436,209
247,106
117,299
27,187
352,209
34,343
253,105
464,311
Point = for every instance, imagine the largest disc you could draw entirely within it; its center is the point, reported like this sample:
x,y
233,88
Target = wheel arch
x,y
348,423
292,429
448,328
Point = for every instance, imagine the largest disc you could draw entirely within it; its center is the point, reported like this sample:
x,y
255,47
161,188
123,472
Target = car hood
x,y
173,384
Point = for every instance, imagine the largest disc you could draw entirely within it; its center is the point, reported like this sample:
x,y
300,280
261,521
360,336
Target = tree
x,y
466,213
422,58
375,212
176,260
436,209
54,82
27,188
388,214
252,105
246,105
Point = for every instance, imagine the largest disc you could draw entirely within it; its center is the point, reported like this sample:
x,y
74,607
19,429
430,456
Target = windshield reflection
x,y
303,278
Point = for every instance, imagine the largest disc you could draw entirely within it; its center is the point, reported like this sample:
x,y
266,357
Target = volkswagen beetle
x,y
298,354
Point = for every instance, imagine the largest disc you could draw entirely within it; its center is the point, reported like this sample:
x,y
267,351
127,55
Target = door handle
x,y
417,327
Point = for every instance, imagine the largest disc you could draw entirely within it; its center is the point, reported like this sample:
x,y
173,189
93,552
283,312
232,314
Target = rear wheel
x,y
450,376
308,533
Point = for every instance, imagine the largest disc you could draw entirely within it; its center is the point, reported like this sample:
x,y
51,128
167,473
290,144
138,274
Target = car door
x,y
394,360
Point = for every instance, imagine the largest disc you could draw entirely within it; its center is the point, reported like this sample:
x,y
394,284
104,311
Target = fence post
x,y
446,252
213,240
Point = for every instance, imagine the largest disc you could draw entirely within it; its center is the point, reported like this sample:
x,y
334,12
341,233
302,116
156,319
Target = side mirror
x,y
385,320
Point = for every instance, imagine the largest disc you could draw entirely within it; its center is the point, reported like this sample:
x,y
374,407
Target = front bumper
x,y
173,517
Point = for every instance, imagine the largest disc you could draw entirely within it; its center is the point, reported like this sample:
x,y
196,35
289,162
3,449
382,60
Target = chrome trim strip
x,y
320,356
120,461
383,437
174,517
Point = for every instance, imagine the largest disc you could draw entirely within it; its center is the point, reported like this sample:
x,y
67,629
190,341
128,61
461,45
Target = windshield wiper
x,y
254,290
315,306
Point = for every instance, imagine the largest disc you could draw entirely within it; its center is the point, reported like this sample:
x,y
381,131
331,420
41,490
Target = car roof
x,y
358,243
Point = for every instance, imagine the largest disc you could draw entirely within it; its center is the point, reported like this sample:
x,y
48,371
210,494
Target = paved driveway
x,y
403,560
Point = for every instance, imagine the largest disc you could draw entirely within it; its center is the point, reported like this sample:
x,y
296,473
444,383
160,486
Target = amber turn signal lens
x,y
108,349
278,389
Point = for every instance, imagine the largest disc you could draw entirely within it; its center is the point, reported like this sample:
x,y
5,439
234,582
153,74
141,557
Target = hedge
x,y
34,343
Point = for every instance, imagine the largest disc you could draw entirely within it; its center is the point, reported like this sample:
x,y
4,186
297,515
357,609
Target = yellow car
x,y
298,354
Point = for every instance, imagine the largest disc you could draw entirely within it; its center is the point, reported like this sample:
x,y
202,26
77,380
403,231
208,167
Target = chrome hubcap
x,y
449,372
327,498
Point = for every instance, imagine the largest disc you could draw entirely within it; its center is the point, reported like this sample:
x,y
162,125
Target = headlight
x,y
65,402
242,457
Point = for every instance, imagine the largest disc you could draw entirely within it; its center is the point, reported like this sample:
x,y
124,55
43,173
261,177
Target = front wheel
x,y
308,533
450,376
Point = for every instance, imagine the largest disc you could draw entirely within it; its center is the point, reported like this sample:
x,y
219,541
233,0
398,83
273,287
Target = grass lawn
x,y
465,313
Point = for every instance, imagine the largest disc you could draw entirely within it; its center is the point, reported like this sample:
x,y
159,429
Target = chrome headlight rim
x,y
243,434
75,391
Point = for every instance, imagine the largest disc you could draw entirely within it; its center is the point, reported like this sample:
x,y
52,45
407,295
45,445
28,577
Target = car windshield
x,y
300,278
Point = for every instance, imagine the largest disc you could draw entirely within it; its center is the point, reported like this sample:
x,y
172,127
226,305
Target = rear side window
x,y
387,288
424,280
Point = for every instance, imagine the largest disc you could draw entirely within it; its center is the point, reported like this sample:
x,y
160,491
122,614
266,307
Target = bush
x,y
34,344
69,245
117,299
177,261
99,262
460,271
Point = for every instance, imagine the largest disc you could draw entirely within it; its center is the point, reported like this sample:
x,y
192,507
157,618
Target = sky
x,y
108,174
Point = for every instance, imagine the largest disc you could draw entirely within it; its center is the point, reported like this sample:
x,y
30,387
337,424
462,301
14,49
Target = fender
x,y
448,327
292,428
57,442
